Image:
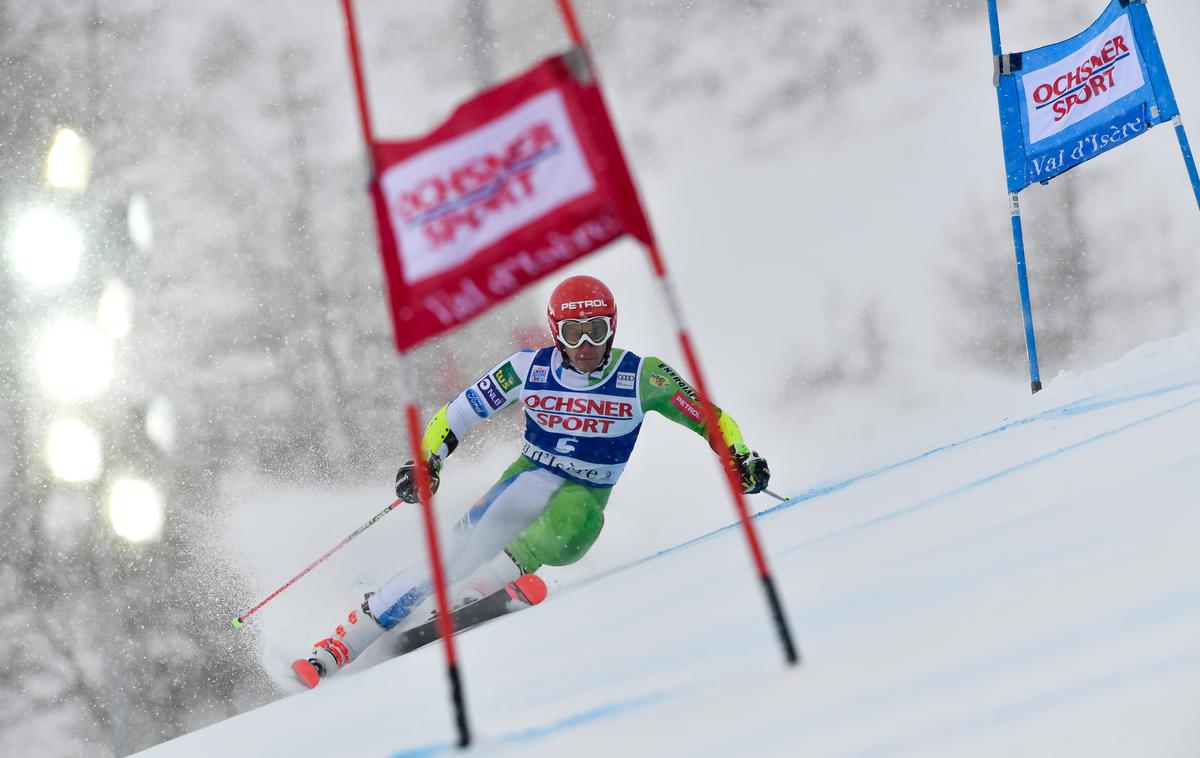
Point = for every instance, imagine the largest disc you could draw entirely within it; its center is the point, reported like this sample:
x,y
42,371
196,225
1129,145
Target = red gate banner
x,y
521,180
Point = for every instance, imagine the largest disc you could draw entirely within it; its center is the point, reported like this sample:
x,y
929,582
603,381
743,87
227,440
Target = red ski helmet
x,y
580,297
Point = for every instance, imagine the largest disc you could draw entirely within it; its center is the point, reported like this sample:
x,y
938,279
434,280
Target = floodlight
x,y
46,248
73,451
69,161
74,360
136,510
115,311
160,423
141,233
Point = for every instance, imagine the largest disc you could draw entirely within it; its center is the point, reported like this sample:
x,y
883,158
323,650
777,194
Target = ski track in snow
x,y
1031,579
1091,404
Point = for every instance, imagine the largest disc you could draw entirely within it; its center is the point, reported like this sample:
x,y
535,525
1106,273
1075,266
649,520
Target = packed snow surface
x,y
1031,588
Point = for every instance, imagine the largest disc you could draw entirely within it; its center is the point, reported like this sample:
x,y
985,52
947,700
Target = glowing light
x,y
138,218
46,248
69,162
73,451
135,510
160,423
115,312
75,360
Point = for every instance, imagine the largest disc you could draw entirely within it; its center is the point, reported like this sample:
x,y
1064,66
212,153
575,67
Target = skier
x,y
584,401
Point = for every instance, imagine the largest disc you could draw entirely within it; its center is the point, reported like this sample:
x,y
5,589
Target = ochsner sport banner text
x,y
1066,103
521,180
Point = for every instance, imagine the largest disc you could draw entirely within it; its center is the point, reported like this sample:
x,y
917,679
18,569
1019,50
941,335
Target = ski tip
x,y
307,673
237,623
528,589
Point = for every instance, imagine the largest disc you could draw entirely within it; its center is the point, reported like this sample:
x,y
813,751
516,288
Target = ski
x,y
518,594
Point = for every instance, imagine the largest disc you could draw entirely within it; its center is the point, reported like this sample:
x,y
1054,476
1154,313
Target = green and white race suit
x,y
548,507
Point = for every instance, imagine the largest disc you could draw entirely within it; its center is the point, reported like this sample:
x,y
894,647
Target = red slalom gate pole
x,y
445,624
424,492
360,88
711,426
790,652
568,16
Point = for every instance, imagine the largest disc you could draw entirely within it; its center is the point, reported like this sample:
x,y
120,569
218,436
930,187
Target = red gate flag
x,y
521,180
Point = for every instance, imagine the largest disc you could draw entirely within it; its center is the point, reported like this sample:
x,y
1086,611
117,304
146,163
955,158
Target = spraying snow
x,y
1030,588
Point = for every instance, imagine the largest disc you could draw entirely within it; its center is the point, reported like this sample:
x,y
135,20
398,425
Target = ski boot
x,y
348,640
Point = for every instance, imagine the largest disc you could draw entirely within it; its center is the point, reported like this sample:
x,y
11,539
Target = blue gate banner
x,y
1066,103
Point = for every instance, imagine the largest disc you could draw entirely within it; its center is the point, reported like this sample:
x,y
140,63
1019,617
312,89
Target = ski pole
x,y
237,622
777,497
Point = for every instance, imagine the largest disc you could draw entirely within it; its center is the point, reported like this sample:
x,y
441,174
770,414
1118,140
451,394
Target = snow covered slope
x,y
1031,589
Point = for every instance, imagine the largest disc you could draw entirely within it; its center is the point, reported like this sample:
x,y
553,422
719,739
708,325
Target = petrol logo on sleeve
x,y
658,380
506,377
476,404
682,404
625,380
487,387
538,375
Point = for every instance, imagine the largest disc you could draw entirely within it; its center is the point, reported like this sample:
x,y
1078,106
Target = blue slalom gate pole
x,y
1187,156
1035,381
994,20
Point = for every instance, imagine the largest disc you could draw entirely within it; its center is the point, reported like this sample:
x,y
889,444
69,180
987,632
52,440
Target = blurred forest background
x,y
830,171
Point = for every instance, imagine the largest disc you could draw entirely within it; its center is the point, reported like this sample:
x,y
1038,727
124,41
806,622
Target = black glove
x,y
753,471
406,478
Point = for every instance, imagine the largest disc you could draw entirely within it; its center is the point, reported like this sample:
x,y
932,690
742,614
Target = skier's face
x,y
587,357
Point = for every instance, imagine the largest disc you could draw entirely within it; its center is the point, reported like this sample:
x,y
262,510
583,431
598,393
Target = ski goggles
x,y
573,331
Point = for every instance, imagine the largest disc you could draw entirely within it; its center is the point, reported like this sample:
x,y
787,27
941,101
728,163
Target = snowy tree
x,y
1090,297
115,652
